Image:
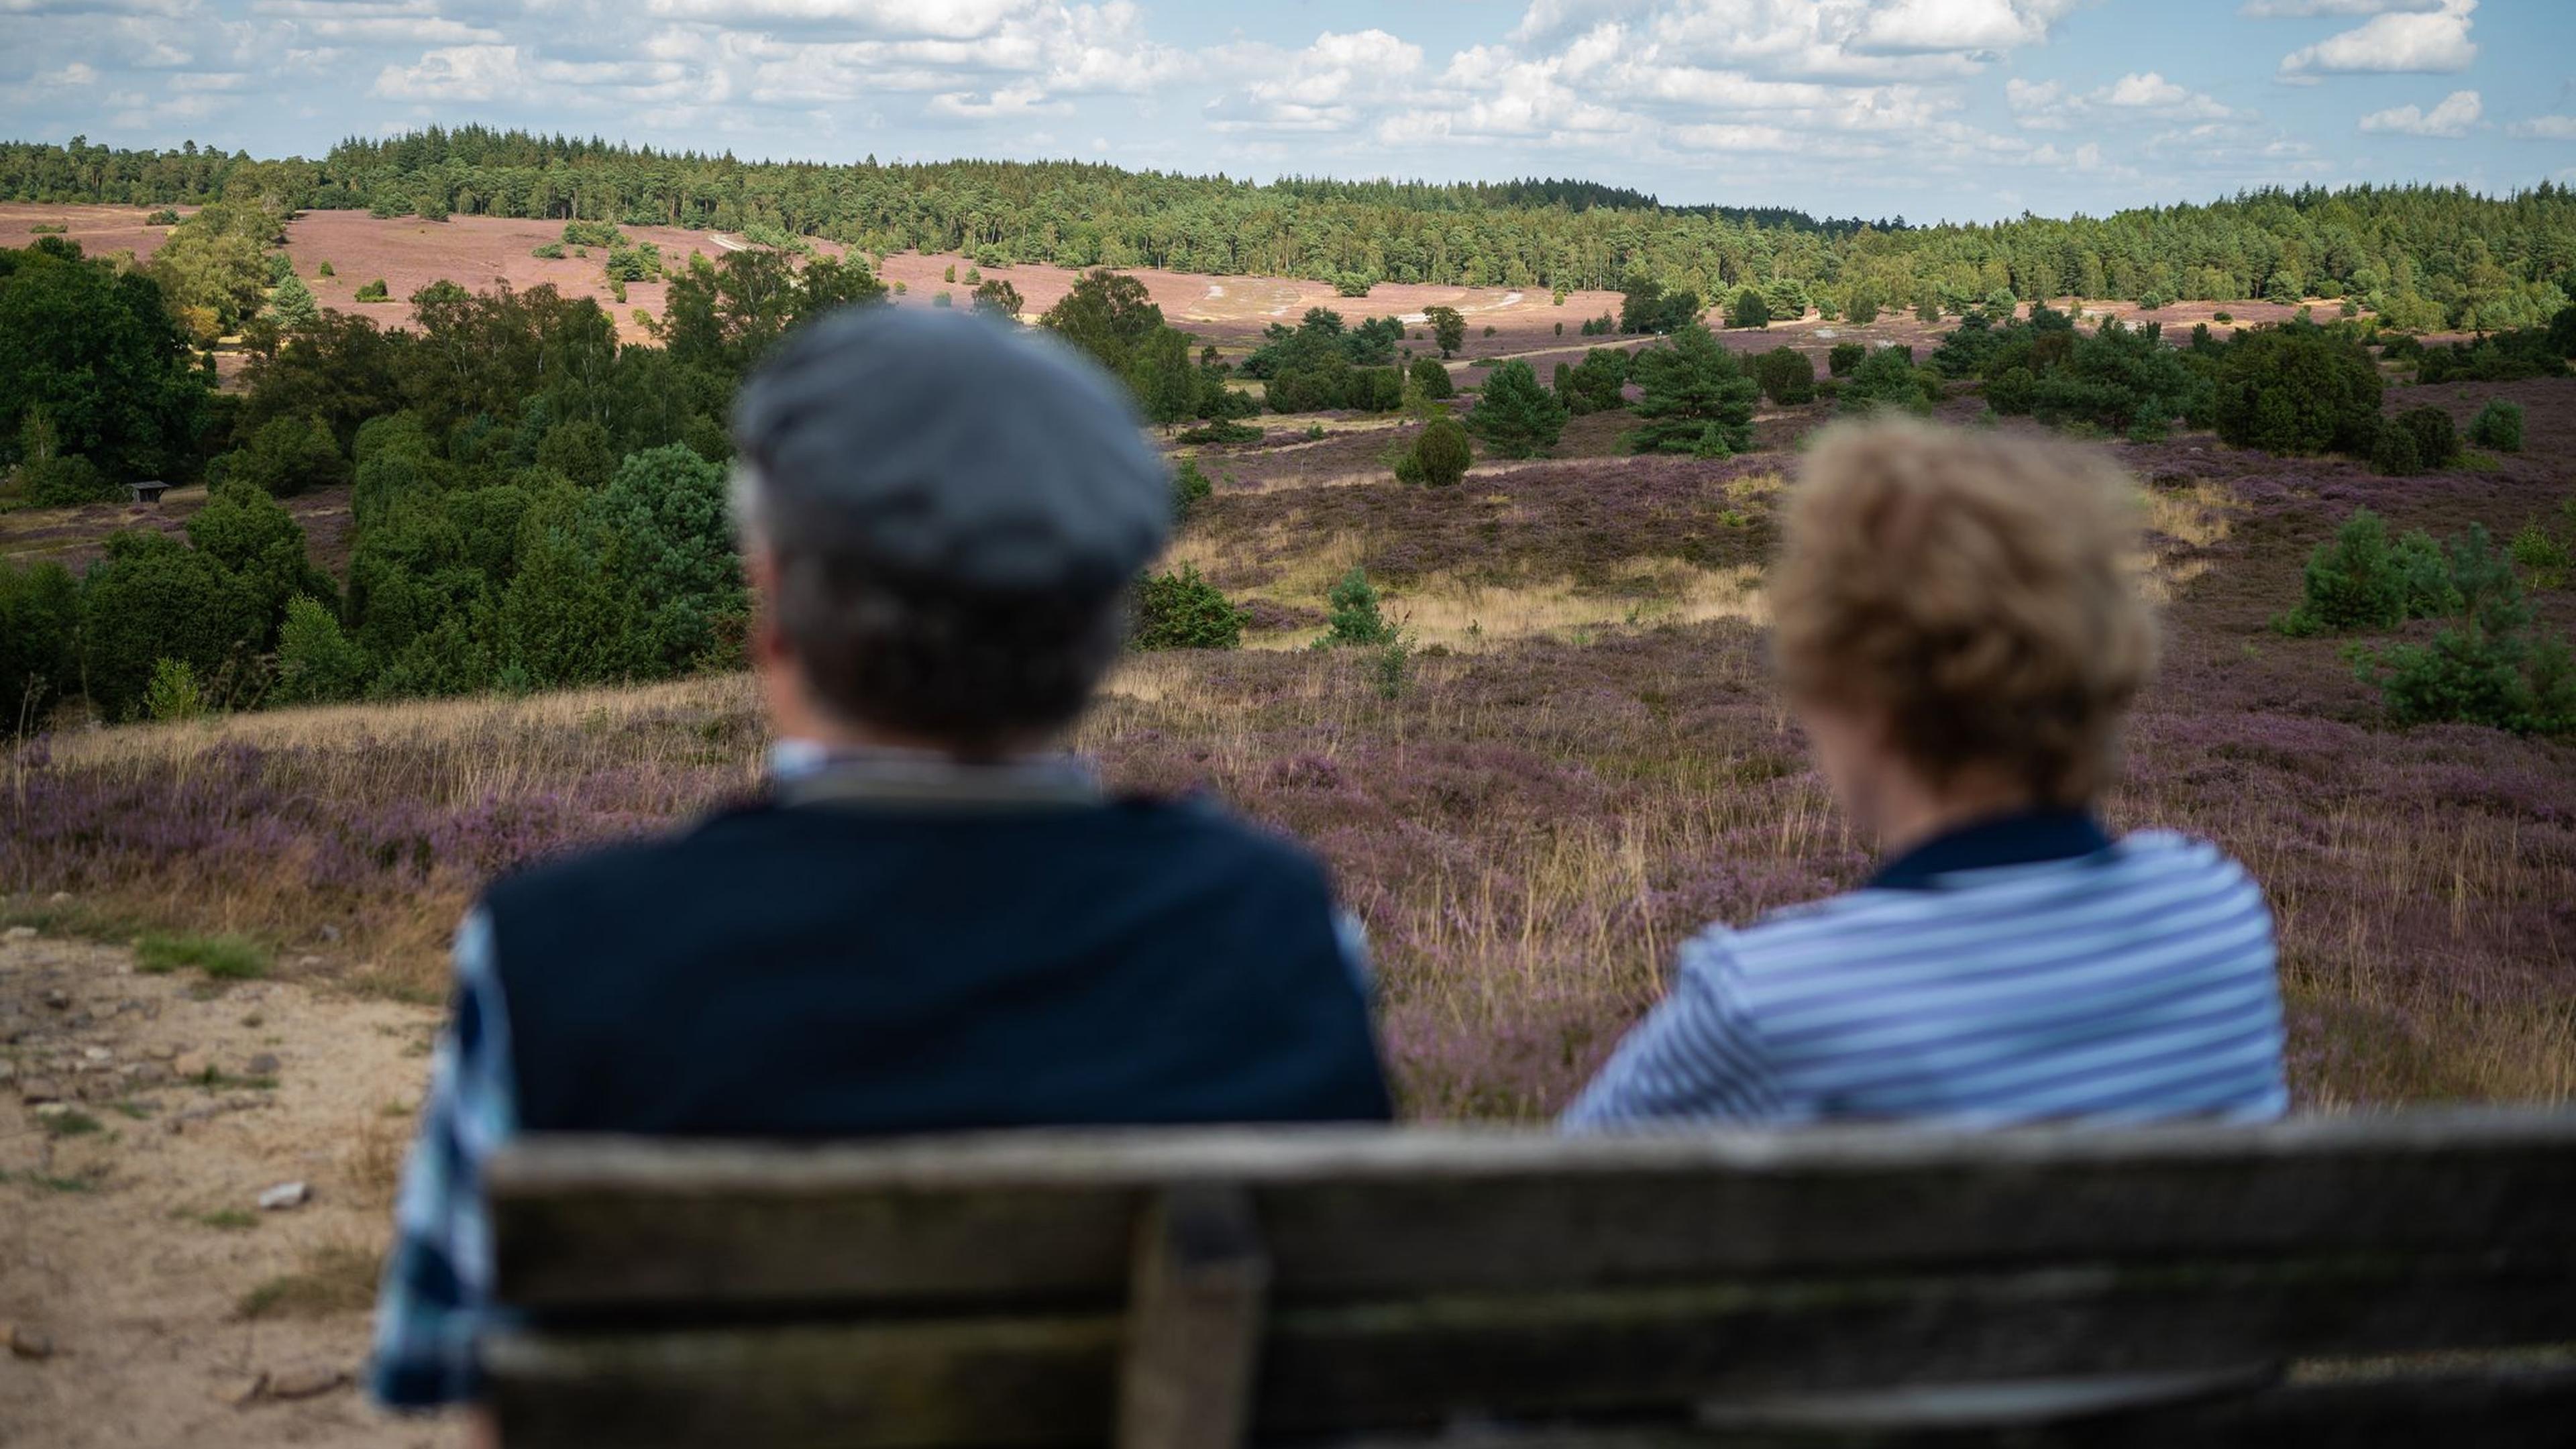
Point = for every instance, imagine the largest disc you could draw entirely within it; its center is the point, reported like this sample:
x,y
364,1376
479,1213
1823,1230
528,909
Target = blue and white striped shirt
x,y
2024,970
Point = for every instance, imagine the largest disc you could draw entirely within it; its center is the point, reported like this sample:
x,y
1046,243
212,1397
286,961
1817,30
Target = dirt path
x,y
152,1301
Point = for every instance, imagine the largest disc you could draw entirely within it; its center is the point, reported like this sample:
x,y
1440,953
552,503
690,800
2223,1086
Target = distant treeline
x,y
2422,257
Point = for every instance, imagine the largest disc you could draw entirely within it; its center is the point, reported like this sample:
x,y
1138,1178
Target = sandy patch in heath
x,y
137,1249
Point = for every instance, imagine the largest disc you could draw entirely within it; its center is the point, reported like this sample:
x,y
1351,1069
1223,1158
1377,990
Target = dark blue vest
x,y
830,970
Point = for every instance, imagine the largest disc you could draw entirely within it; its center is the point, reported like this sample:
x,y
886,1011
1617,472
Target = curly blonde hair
x,y
1976,587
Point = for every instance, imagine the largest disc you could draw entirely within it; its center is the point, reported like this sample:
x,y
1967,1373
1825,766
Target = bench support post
x,y
1193,1322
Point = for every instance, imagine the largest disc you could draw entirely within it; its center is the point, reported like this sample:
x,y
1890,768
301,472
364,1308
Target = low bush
x,y
548,251
1438,458
1354,616
2366,580
1845,357
2498,425
1786,376
1184,611
225,958
2541,557
1219,433
1433,379
375,291
1190,487
65,481
2497,665
2394,453
2437,444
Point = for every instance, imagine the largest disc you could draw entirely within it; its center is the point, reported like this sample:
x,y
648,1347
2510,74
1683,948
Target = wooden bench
x,y
1166,1289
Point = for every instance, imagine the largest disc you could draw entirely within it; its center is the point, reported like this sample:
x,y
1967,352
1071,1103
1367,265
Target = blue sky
x,y
1966,109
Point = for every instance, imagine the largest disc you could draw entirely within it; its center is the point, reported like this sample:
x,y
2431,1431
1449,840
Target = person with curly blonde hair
x,y
1959,633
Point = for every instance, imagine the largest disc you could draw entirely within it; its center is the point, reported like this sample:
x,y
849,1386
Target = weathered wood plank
x,y
2501,1411
1023,1382
1040,1218
1193,1323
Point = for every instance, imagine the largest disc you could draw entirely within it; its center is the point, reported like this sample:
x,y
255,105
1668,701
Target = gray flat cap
x,y
951,448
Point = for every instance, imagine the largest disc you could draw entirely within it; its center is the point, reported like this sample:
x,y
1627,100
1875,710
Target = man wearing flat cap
x,y
934,921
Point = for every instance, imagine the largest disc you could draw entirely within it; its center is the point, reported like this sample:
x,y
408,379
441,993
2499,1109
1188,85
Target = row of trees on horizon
x,y
2421,257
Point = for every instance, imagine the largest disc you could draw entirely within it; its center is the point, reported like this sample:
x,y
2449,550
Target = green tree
x,y
292,303
1352,615
1514,415
287,456
1448,328
171,694
98,355
260,544
998,296
317,663
2357,581
1749,309
151,597
39,641
1164,379
1433,379
1692,389
1190,488
1845,357
1107,314
580,450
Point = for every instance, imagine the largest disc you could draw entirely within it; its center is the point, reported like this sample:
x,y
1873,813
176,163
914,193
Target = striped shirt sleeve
x,y
436,1299
1695,1058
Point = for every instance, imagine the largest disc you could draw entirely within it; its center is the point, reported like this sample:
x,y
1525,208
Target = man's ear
x,y
760,576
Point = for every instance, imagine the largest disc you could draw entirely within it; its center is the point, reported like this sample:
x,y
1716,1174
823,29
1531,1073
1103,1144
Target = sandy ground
x,y
127,1253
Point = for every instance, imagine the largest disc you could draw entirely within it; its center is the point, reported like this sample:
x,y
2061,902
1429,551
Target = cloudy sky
x,y
1930,108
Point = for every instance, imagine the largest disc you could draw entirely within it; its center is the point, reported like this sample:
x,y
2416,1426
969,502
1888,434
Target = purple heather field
x,y
1584,764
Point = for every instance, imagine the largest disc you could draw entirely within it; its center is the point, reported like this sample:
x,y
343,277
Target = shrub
x,y
1190,487
1596,384
2498,425
2542,558
164,216
2222,317
1219,433
1748,309
1352,284
375,291
1433,379
1184,611
1885,380
287,456
2496,665
1439,456
1515,416
64,481
1353,616
548,251
2356,582
326,269
1489,331
1845,357
591,234
2013,393
2437,445
1786,376
2297,390
2395,453
172,693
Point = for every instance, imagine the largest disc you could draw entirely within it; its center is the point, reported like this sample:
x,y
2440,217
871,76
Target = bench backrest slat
x,y
1025,1218
1168,1287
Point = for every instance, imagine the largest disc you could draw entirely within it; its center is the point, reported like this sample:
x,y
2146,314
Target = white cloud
x,y
2434,42
1324,87
2451,119
2544,128
77,73
456,73
953,19
2050,106
1918,26
2300,9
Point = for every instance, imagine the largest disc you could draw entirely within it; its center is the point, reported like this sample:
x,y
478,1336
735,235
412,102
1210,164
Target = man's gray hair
x,y
977,667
